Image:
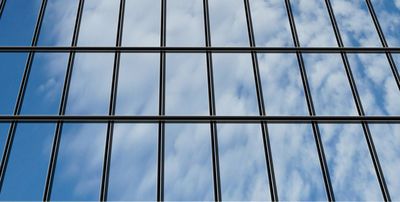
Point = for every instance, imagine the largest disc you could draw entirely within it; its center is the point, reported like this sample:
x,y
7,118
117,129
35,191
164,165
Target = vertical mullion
x,y
21,94
212,108
113,100
267,146
317,136
357,99
161,126
2,5
384,42
63,106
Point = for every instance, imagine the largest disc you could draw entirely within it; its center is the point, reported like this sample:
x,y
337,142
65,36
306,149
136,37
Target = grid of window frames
x,y
123,81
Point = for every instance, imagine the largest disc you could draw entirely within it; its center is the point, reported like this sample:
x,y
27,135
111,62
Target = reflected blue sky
x,y
188,165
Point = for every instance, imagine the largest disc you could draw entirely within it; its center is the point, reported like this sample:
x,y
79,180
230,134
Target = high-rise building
x,y
200,100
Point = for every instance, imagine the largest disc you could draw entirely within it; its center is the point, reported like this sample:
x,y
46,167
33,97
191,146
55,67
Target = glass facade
x,y
199,100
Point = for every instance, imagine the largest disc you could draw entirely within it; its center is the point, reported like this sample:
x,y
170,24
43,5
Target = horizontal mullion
x,y
94,49
197,119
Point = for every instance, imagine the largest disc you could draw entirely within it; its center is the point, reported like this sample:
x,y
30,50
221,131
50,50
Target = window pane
x,y
18,22
329,85
350,163
12,66
242,163
133,163
188,167
388,13
99,23
138,84
28,162
91,84
282,85
185,25
141,23
388,147
270,23
296,164
378,89
312,22
235,92
80,162
228,23
45,84
186,84
355,23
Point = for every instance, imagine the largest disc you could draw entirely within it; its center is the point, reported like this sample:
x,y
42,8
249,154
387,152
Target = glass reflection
x,y
228,23
312,23
296,163
138,84
355,23
386,139
282,85
329,85
242,162
28,162
90,87
185,25
141,23
270,23
378,89
235,92
186,84
133,163
388,13
350,163
188,165
79,162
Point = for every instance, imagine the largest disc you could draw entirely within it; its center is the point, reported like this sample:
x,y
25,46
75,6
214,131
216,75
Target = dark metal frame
x,y
213,119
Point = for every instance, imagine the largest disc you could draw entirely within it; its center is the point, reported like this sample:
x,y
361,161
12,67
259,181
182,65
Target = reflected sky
x,y
188,165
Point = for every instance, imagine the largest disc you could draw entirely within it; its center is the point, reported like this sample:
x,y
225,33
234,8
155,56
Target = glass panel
x,y
387,144
91,84
45,84
188,175
270,23
186,84
228,23
378,89
59,22
282,85
235,92
80,162
12,66
185,25
18,22
138,84
329,85
28,163
242,163
99,23
133,162
388,13
352,174
141,23
312,23
296,163
355,23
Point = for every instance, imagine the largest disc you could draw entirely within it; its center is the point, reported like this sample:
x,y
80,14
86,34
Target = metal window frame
x,y
213,119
